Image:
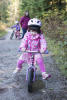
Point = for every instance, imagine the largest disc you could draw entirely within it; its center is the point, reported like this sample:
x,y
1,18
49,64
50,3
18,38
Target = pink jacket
x,y
37,43
33,43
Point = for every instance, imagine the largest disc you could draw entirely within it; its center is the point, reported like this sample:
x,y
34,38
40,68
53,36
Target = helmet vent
x,y
31,20
38,21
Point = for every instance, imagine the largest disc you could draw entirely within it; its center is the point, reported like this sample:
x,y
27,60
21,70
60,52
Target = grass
x,y
59,55
2,33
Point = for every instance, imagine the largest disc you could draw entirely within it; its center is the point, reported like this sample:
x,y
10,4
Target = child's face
x,y
33,32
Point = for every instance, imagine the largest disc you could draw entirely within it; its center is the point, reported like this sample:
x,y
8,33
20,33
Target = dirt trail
x,y
15,88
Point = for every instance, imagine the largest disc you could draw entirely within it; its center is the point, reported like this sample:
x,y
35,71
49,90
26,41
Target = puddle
x,y
3,90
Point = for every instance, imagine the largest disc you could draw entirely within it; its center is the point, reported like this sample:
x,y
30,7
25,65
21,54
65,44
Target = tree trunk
x,y
59,2
52,3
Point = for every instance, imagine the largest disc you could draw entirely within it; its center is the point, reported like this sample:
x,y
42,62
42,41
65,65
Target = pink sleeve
x,y
43,43
24,42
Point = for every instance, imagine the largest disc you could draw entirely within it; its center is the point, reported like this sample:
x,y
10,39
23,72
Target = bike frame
x,y
14,33
31,66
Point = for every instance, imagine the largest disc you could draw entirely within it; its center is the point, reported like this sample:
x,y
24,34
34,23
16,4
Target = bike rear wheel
x,y
30,80
20,35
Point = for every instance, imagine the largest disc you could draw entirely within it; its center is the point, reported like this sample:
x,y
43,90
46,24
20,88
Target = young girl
x,y
17,26
33,41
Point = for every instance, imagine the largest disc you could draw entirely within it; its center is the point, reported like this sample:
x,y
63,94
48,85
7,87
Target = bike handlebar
x,y
31,51
28,51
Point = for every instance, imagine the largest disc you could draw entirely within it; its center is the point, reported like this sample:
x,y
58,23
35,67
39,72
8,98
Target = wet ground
x,y
15,87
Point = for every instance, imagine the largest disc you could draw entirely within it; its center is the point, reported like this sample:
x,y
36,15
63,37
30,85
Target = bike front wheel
x,y
12,35
30,80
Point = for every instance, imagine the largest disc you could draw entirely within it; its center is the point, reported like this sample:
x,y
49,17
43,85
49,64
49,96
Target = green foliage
x,y
65,15
2,33
54,25
35,7
39,7
60,55
55,28
3,10
2,29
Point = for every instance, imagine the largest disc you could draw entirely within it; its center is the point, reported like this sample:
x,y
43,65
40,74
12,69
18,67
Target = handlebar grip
x,y
19,50
46,52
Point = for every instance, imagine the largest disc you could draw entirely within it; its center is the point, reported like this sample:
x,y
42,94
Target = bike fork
x,y
28,72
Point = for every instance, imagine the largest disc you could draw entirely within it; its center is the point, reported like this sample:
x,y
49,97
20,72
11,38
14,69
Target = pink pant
x,y
40,62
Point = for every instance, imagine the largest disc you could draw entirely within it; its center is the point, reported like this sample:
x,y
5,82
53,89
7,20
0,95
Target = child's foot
x,y
45,75
16,71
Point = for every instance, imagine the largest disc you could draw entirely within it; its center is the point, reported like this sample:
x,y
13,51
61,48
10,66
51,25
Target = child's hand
x,y
46,52
41,51
19,50
23,49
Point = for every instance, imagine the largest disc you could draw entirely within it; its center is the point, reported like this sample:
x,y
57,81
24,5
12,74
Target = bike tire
x,y
30,80
12,35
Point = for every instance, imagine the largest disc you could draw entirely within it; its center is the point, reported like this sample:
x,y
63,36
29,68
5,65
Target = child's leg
x,y
18,34
41,64
19,64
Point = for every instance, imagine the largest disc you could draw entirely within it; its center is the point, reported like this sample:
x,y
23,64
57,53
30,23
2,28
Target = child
x,y
17,26
33,41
